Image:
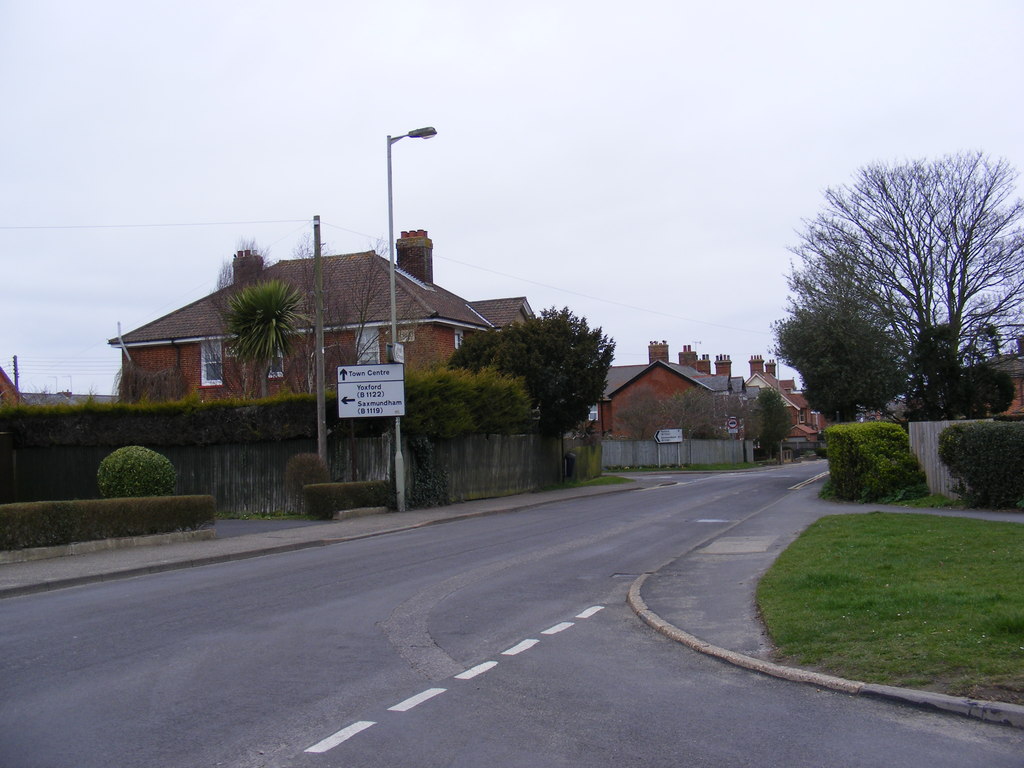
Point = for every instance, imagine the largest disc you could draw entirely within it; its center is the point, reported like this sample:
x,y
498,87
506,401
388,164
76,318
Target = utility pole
x,y
318,291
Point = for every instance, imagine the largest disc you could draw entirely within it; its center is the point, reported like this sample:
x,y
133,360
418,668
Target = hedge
x,y
871,461
54,523
323,500
987,461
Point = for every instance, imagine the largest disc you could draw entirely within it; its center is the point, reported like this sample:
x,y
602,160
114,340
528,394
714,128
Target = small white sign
x,y
367,391
669,436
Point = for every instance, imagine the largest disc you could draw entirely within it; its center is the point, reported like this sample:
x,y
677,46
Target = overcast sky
x,y
646,164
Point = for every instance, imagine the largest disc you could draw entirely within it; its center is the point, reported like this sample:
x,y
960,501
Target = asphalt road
x,y
496,641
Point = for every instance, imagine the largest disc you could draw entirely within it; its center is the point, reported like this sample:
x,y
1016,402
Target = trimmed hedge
x,y
324,499
987,461
446,403
871,461
54,523
183,422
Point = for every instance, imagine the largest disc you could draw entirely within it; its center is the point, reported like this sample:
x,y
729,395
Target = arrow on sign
x,y
342,374
347,400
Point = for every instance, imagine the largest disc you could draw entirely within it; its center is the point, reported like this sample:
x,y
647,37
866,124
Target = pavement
x,y
703,599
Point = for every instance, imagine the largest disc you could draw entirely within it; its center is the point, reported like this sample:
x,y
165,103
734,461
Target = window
x,y
212,363
368,346
458,339
592,415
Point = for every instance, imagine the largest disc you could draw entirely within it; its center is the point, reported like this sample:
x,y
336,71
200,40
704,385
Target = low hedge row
x,y
324,499
871,461
55,523
986,458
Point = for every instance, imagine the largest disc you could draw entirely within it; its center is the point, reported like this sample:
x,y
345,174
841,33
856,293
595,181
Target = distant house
x,y
632,394
1013,364
8,392
631,390
189,349
808,425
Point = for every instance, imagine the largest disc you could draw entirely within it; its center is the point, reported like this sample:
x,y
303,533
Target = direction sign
x,y
669,436
365,391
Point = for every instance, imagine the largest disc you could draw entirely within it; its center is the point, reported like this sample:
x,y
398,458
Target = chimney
x,y
704,365
414,254
246,267
723,366
769,368
756,364
688,357
657,351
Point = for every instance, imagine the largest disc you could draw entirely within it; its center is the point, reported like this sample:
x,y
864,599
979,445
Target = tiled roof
x,y
502,312
356,291
620,375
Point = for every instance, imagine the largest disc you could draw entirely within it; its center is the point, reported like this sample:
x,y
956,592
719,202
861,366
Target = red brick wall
x,y
659,382
432,343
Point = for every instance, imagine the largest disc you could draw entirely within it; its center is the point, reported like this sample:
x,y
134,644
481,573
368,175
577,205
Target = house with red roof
x,y
189,350
808,425
633,390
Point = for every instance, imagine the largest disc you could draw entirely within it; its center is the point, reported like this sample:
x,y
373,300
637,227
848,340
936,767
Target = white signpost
x,y
668,436
366,391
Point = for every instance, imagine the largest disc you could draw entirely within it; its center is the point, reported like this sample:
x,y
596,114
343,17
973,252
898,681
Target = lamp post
x,y
419,133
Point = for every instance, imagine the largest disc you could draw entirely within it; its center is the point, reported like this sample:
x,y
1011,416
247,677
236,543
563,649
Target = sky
x,y
647,165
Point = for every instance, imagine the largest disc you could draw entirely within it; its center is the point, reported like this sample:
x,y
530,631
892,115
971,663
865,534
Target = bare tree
x,y
927,244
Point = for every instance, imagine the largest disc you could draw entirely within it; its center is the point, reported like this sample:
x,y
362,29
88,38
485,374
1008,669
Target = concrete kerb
x,y
989,711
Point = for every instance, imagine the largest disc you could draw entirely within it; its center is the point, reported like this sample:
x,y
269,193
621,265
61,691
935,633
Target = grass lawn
x,y
904,599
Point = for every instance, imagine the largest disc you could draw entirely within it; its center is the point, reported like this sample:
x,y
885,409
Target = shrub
x,y
987,461
301,470
324,499
135,471
54,523
447,403
871,461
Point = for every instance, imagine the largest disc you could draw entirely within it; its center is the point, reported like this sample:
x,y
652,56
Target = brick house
x,y
807,425
189,350
8,392
631,390
1013,364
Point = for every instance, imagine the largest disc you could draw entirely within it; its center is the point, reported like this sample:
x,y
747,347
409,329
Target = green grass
x,y
903,599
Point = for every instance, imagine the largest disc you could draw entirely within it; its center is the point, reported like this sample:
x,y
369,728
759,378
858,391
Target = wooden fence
x,y
924,442
648,453
249,477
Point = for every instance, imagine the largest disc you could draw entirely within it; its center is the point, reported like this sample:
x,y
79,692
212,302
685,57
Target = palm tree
x,y
262,318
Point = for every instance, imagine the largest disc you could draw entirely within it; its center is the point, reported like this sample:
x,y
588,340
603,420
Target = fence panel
x,y
648,453
485,466
924,442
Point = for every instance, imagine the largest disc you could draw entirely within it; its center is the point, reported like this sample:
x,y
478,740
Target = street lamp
x,y
419,133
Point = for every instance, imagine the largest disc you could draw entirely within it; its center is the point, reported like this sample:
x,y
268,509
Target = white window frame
x,y
458,339
368,346
211,354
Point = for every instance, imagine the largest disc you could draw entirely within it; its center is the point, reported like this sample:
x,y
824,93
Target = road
x,y
496,641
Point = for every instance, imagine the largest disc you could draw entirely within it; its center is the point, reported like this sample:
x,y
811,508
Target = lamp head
x,y
422,133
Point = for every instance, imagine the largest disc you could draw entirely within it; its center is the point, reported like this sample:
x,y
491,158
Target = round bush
x,y
135,471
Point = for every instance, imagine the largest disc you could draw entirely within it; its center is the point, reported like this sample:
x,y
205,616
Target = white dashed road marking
x,y
419,698
344,734
518,648
404,706
557,628
479,669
